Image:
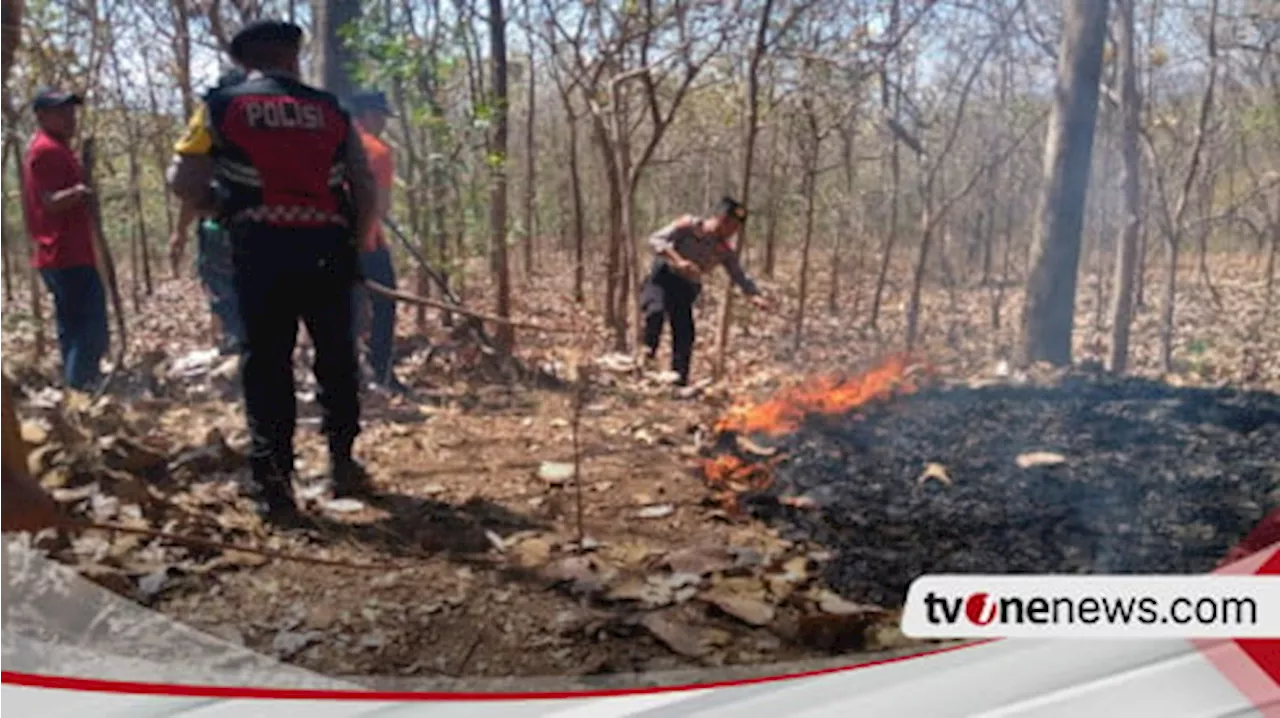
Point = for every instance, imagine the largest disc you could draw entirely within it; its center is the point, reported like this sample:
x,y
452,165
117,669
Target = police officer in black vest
x,y
279,165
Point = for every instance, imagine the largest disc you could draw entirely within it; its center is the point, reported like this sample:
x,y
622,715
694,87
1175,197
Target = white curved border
x,y
1164,678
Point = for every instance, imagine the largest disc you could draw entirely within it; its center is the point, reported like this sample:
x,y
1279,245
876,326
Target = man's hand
x,y
177,248
27,506
689,269
759,301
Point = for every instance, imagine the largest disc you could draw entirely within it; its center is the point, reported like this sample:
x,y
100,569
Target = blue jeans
x,y
213,263
80,309
376,265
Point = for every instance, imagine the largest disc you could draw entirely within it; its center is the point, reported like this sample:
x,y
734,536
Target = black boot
x,y
275,490
350,478
276,502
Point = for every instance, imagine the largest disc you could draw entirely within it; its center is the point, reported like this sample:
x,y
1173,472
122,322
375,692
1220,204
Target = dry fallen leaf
x,y
748,609
555,473
829,602
532,552
344,506
656,512
699,561
934,471
675,634
1039,458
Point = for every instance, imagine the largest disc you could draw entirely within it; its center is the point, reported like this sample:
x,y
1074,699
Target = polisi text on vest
x,y
283,114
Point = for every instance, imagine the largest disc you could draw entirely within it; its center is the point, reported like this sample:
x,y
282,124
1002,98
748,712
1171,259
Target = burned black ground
x,y
1156,479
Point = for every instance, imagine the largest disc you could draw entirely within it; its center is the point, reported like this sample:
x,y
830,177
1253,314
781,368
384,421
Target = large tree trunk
x,y
1055,250
11,38
1127,247
334,57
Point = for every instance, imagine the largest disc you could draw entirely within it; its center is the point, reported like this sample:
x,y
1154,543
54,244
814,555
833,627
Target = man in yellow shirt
x,y
370,111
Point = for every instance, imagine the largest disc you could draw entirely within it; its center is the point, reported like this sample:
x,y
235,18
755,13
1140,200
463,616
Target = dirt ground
x,y
468,563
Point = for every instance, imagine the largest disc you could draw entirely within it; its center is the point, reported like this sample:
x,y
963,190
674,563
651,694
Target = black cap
x,y
264,31
370,101
48,98
729,207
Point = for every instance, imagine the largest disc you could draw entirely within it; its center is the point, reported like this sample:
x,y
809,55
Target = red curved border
x,y
36,680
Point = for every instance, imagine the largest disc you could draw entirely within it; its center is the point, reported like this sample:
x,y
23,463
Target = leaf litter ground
x,y
476,525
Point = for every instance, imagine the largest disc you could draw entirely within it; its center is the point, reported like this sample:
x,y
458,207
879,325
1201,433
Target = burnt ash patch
x,y
1156,479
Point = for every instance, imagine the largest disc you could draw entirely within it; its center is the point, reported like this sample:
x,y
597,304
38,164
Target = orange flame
x,y
821,396
730,476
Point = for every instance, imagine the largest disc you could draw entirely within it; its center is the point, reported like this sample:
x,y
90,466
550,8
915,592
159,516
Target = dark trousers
x,y
276,288
80,310
377,265
666,296
213,263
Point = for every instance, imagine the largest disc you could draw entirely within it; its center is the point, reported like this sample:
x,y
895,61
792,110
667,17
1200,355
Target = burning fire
x,y
821,396
731,475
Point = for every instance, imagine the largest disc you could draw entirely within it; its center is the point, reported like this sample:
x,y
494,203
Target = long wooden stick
x,y
83,524
106,264
408,298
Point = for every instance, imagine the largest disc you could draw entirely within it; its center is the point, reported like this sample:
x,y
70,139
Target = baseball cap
x,y
367,100
48,98
730,207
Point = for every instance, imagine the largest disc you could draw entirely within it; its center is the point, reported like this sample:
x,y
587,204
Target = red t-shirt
x,y
62,240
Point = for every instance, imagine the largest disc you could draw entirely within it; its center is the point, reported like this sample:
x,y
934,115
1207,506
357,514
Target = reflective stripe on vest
x,y
289,215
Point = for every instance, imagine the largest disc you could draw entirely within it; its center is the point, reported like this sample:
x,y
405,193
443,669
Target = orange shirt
x,y
384,171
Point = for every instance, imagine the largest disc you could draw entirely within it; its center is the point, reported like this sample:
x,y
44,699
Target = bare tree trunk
x,y
1127,246
810,180
725,319
579,216
891,239
1051,286
895,173
11,39
530,167
160,141
997,299
771,221
927,231
1173,232
498,193
846,215
182,54
613,262
5,237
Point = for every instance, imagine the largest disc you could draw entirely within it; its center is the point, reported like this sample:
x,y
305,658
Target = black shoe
x,y
392,385
276,504
350,479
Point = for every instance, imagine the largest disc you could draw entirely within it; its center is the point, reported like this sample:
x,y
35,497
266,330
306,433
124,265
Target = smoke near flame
x,y
731,475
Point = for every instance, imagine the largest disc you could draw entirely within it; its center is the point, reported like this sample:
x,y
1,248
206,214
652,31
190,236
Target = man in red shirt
x,y
58,221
